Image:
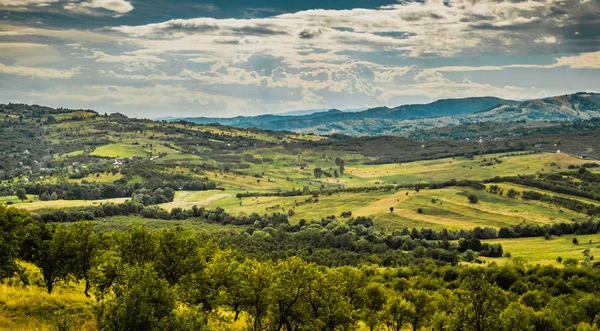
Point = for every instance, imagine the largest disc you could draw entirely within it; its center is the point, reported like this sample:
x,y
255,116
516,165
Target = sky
x,y
153,58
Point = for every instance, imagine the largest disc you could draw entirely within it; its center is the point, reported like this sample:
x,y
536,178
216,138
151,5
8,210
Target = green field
x,y
458,168
546,251
119,150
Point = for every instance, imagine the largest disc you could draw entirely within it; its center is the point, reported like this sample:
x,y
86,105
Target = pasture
x,y
546,251
458,168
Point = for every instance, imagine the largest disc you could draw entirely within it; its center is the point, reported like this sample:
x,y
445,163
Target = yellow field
x,y
543,251
37,205
460,168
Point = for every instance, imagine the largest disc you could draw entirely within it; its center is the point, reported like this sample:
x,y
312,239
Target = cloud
x,y
74,35
582,61
26,3
326,58
428,29
44,73
310,33
29,53
546,40
97,7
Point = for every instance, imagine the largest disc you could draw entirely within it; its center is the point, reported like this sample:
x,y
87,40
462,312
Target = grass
x,y
119,150
32,308
543,251
444,208
458,168
101,178
122,223
57,204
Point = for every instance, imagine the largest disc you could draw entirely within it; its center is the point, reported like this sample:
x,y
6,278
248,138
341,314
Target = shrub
x,y
473,198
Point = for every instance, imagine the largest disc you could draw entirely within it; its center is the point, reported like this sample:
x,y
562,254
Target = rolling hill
x,y
406,119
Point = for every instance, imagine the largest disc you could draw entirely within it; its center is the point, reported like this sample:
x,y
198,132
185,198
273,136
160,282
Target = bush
x,y
473,198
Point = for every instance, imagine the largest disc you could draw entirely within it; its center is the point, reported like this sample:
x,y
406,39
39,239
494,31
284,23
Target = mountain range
x,y
409,118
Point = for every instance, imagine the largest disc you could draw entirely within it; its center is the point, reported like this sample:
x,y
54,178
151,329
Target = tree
x,y
141,301
473,198
176,252
373,301
137,246
52,254
397,313
21,194
291,286
480,304
340,163
13,224
391,209
517,317
575,241
318,172
45,196
85,245
423,308
327,303
256,279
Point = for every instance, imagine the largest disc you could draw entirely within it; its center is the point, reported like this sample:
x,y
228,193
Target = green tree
x,y
374,298
256,279
13,223
473,198
85,246
479,304
423,305
397,313
141,301
292,280
517,317
21,194
328,304
175,254
52,254
45,196
318,172
137,246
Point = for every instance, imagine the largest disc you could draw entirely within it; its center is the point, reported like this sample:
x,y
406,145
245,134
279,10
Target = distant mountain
x,y
447,107
404,120
254,121
314,111
578,106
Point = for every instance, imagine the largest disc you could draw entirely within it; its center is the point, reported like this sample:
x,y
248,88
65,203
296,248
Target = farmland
x,y
279,204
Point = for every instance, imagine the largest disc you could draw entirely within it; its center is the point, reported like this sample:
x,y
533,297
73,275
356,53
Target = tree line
x,y
173,279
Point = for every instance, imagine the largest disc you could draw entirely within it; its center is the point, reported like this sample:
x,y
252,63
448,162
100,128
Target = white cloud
x,y
429,29
546,40
585,60
44,73
26,3
82,36
92,7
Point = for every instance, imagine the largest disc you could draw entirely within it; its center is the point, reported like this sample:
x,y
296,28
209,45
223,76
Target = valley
x,y
369,202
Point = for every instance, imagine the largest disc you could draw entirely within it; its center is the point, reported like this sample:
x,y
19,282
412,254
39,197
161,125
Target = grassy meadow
x,y
546,251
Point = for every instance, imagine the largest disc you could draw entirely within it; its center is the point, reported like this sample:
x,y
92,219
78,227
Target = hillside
x,y
113,215
578,106
407,119
448,107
